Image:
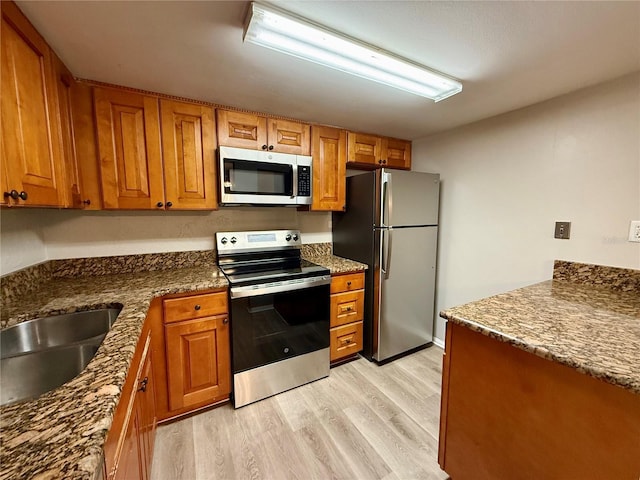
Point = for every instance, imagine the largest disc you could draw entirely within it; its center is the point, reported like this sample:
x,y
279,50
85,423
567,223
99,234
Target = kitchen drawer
x,y
346,283
194,306
347,307
346,340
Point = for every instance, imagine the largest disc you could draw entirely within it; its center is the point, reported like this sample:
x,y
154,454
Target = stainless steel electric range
x,y
279,313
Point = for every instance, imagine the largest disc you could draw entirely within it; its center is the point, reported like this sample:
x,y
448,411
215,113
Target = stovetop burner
x,y
248,258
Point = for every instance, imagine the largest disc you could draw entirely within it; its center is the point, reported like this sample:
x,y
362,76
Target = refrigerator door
x,y
405,290
408,198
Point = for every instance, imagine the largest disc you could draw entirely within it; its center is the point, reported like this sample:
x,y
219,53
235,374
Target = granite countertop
x,y
592,328
337,265
62,433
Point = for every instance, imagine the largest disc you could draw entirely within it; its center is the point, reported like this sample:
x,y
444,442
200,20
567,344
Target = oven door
x,y
276,323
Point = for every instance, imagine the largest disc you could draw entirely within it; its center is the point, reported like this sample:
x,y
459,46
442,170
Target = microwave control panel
x,y
304,181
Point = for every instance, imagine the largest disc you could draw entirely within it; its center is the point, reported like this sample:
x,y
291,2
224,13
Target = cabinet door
x,y
288,137
188,146
147,411
244,130
329,168
198,361
397,153
31,155
365,150
64,84
130,463
128,127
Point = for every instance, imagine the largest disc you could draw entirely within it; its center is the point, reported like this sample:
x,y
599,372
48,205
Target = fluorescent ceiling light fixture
x,y
287,33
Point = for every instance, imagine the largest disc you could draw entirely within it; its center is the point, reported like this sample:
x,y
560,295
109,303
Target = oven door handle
x,y
287,286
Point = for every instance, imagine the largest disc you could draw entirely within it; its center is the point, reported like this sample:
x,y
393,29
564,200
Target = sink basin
x,y
28,376
47,332
39,355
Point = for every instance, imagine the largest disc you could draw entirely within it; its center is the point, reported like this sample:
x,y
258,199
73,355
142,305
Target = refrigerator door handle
x,y
387,200
387,265
389,192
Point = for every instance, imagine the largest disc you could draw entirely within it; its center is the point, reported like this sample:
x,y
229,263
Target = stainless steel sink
x,y
39,355
47,332
30,375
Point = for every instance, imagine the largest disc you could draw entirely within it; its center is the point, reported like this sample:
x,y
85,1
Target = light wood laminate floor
x,y
362,422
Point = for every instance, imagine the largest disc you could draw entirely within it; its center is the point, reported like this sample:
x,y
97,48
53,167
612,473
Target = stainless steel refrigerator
x,y
391,224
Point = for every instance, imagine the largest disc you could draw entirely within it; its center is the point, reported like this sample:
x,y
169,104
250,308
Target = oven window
x,y
269,328
257,178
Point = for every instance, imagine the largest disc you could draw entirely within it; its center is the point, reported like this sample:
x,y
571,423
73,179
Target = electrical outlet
x,y
563,229
634,231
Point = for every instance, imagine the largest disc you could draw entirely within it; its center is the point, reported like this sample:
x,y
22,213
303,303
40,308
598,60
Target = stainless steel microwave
x,y
253,177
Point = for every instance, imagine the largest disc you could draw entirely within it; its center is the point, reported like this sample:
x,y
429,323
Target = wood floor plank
x,y
363,422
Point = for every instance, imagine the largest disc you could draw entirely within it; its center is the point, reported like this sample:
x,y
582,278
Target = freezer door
x,y
406,287
408,198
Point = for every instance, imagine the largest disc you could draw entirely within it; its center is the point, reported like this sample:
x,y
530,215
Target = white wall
x,y
31,236
506,180
21,240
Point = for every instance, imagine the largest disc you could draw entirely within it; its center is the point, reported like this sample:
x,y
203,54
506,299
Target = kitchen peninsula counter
x,y
544,381
61,434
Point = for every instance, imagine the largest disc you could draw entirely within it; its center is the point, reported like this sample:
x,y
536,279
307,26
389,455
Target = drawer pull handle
x,y
197,307
143,384
348,284
349,309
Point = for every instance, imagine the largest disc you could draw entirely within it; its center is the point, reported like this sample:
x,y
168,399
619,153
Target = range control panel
x,y
257,240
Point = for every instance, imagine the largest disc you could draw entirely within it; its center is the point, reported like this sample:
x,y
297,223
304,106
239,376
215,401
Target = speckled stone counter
x,y
61,434
592,326
337,265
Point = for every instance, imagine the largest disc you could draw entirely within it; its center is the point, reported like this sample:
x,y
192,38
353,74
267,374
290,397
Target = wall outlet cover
x,y
563,229
634,231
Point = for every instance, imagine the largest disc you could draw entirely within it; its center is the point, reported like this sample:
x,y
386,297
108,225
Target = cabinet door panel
x,y
364,149
244,130
329,168
289,137
129,145
198,361
31,145
397,153
188,145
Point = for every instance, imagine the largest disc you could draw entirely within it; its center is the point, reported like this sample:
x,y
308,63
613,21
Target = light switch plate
x,y
634,231
563,229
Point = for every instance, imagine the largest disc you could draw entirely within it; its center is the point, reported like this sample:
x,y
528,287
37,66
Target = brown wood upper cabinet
x,y
31,159
370,151
132,138
247,130
188,147
329,152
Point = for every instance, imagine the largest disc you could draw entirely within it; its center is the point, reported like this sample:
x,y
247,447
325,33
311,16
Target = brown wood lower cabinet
x,y
509,414
192,352
347,314
129,445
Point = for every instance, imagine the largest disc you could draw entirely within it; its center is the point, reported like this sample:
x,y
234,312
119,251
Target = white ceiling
x,y
506,54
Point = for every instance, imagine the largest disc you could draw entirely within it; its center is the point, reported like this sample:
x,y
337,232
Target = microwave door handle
x,y
294,180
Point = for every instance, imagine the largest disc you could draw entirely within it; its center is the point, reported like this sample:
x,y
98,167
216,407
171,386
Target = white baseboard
x,y
438,343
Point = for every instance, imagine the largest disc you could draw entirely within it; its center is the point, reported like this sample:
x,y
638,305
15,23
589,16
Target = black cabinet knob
x,y
87,202
225,321
264,147
143,384
380,162
159,204
23,195
169,204
288,237
270,147
13,194
197,307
